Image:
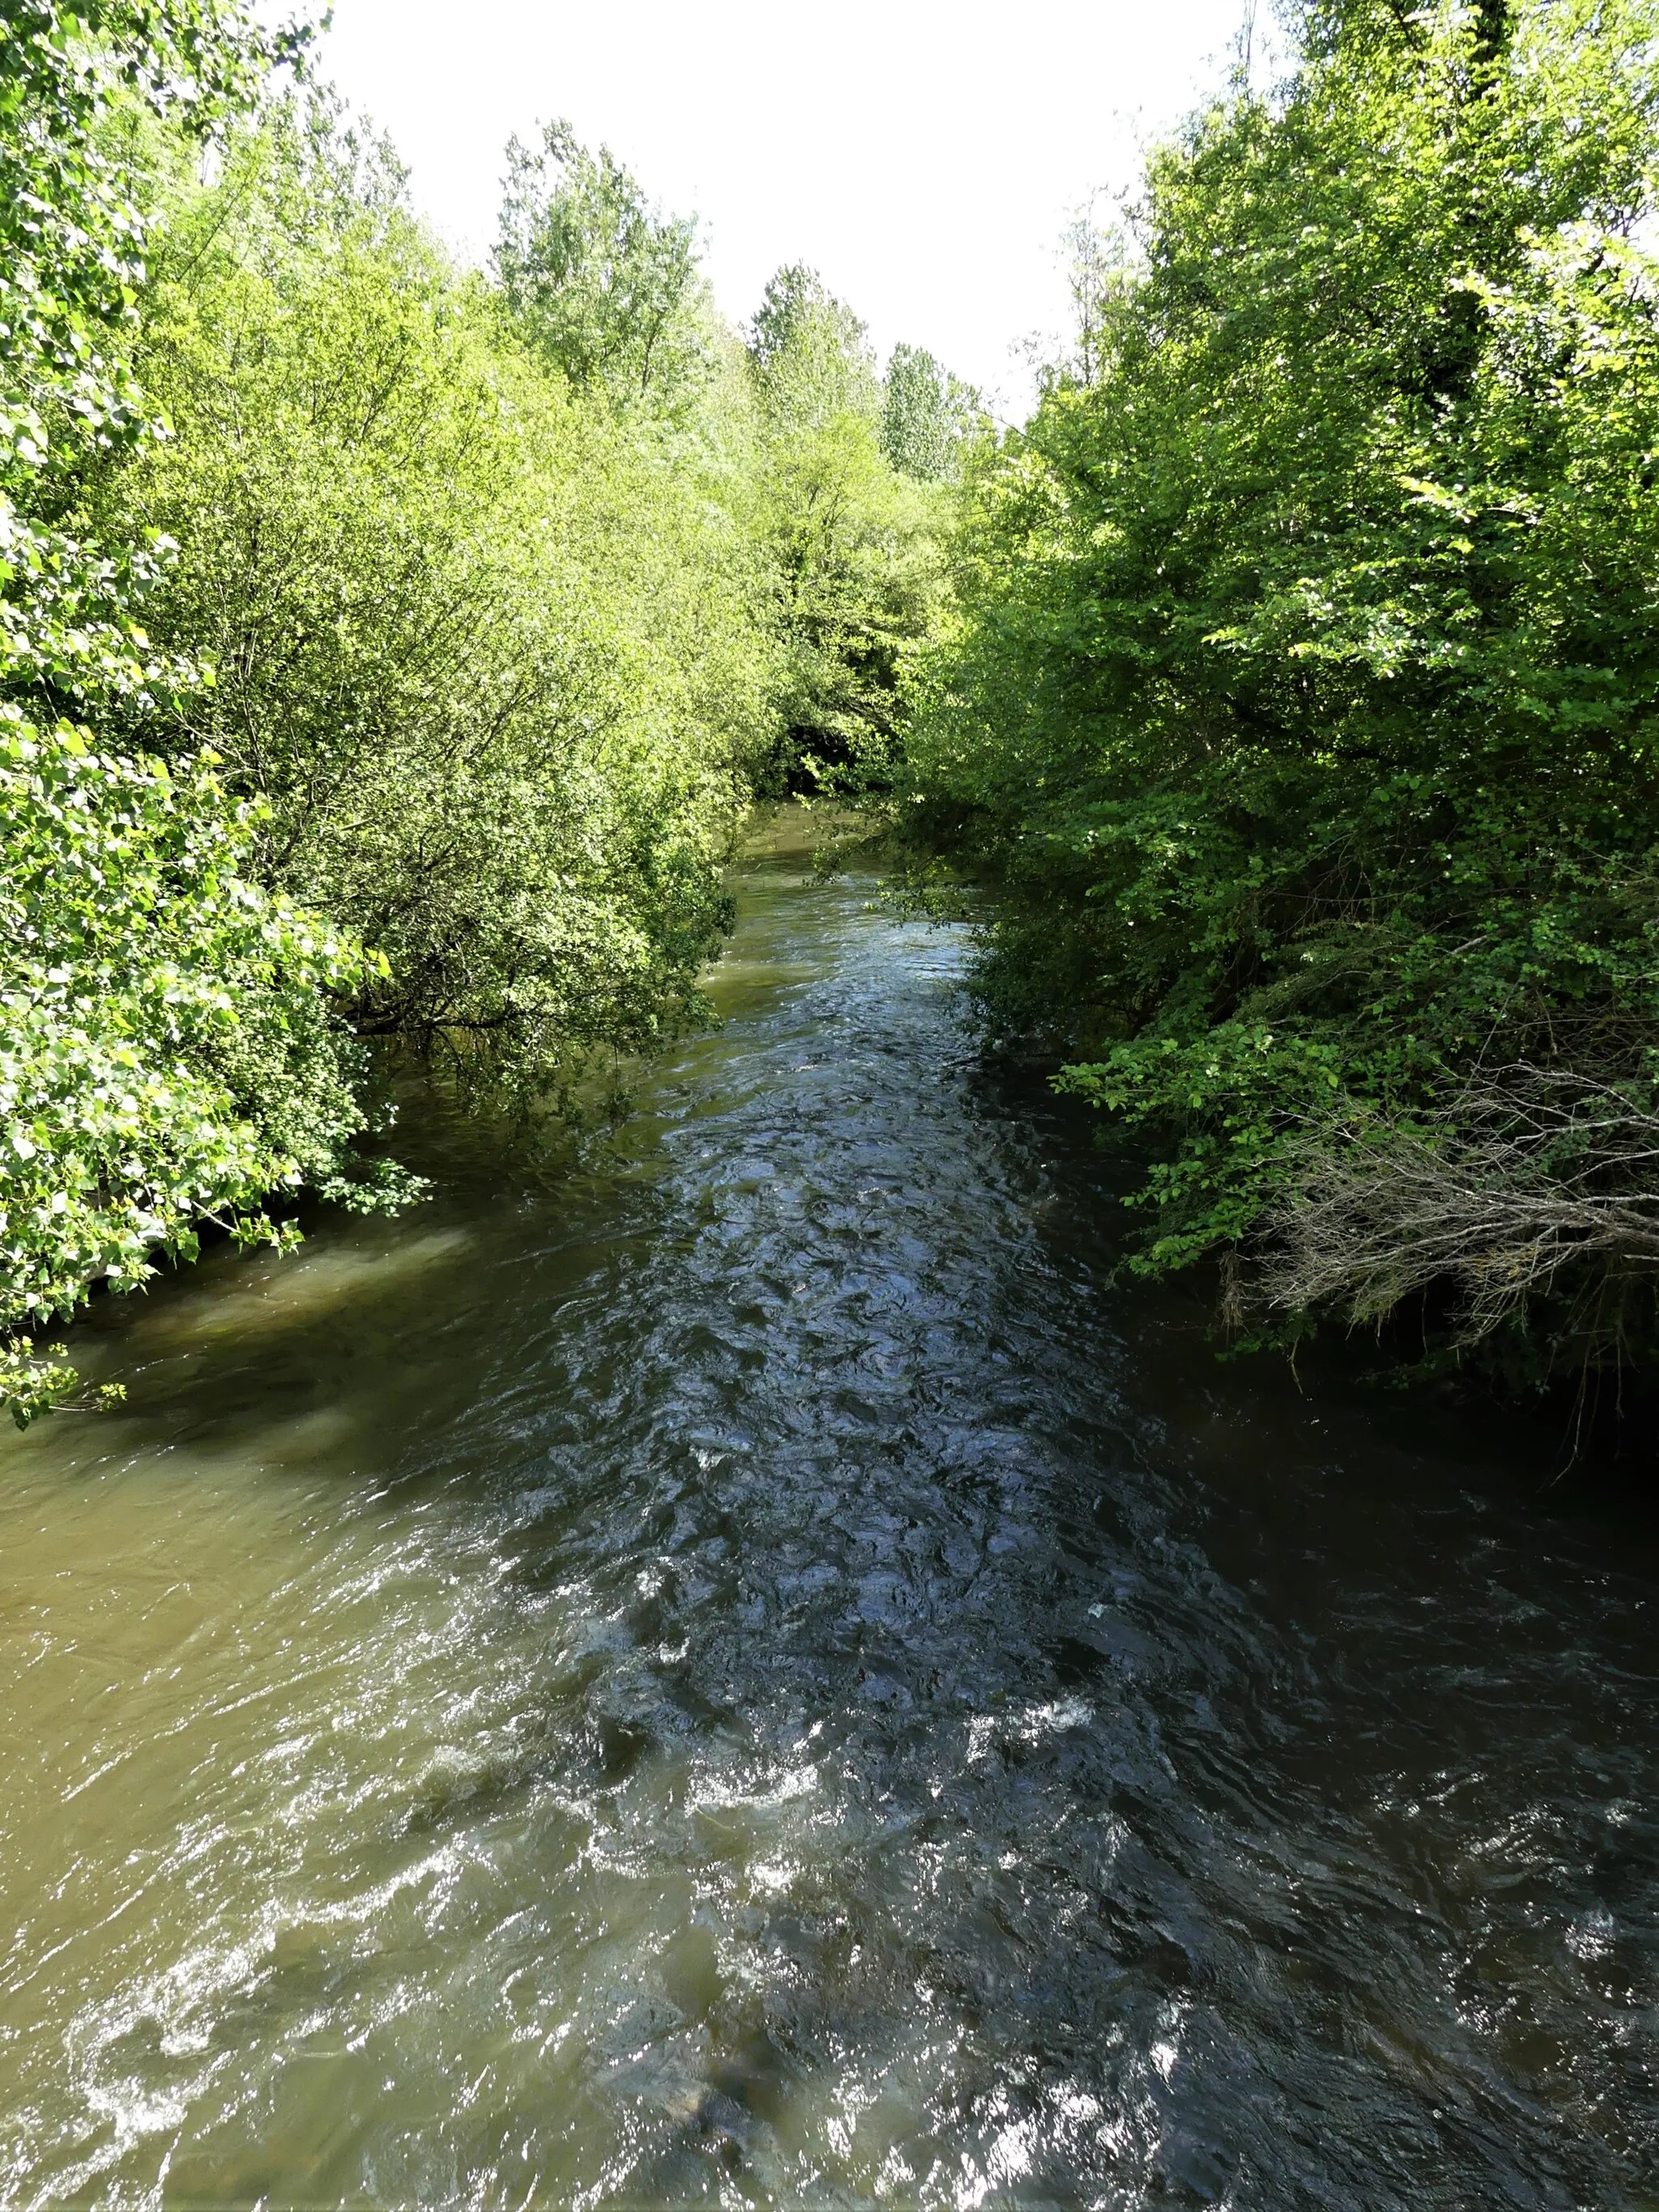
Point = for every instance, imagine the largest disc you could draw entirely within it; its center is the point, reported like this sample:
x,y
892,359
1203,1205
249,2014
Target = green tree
x,y
170,1053
169,1048
491,664
1098,277
928,415
856,546
607,286
1301,690
810,352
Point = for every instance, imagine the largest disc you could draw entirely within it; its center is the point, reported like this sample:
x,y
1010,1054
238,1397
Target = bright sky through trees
x,y
924,156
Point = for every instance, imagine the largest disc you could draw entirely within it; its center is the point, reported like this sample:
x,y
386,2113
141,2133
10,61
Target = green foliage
x,y
491,661
169,1052
856,546
605,286
467,614
1100,274
810,353
1301,689
71,245
927,416
168,1049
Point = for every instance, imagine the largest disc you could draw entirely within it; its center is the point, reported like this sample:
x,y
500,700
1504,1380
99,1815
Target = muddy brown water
x,y
753,1674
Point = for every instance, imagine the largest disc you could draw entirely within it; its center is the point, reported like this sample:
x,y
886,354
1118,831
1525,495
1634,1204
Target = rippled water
x,y
754,1676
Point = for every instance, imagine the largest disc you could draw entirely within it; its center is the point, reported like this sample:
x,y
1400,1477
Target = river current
x,y
753,1672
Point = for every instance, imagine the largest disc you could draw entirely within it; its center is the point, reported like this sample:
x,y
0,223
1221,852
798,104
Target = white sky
x,y
923,156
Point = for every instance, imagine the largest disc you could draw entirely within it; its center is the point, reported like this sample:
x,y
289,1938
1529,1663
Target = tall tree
x,y
1302,693
855,544
810,352
605,284
928,415
170,1050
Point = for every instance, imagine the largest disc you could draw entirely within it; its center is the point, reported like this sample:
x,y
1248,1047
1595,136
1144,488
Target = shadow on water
x,y
756,1675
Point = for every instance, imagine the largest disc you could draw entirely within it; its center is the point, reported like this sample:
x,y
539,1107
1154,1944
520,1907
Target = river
x,y
751,1672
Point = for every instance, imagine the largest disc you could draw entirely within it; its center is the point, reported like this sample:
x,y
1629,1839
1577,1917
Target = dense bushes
x,y
466,611
493,656
170,1052
169,1047
1301,693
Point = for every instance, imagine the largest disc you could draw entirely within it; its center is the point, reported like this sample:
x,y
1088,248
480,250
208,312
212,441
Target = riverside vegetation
x,y
390,649
1299,693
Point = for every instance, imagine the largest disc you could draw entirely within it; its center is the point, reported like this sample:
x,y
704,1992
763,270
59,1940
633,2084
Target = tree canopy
x,y
605,285
1300,688
169,1048
388,652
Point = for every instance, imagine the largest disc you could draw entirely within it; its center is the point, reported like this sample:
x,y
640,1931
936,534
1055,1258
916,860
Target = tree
x,y
1300,694
605,284
170,1051
854,545
1098,266
491,664
927,416
810,353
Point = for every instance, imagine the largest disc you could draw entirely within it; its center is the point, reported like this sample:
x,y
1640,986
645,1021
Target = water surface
x,y
752,1674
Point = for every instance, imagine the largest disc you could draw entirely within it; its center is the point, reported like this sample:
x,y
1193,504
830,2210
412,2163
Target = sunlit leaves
x,y
168,1055
1302,693
491,644
170,1051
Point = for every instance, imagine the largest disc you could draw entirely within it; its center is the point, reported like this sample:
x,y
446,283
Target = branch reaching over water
x,y
1532,1172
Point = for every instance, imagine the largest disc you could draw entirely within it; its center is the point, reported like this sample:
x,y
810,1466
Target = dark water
x,y
754,1676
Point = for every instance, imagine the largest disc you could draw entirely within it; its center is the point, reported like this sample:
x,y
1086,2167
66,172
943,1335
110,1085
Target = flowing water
x,y
752,1674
